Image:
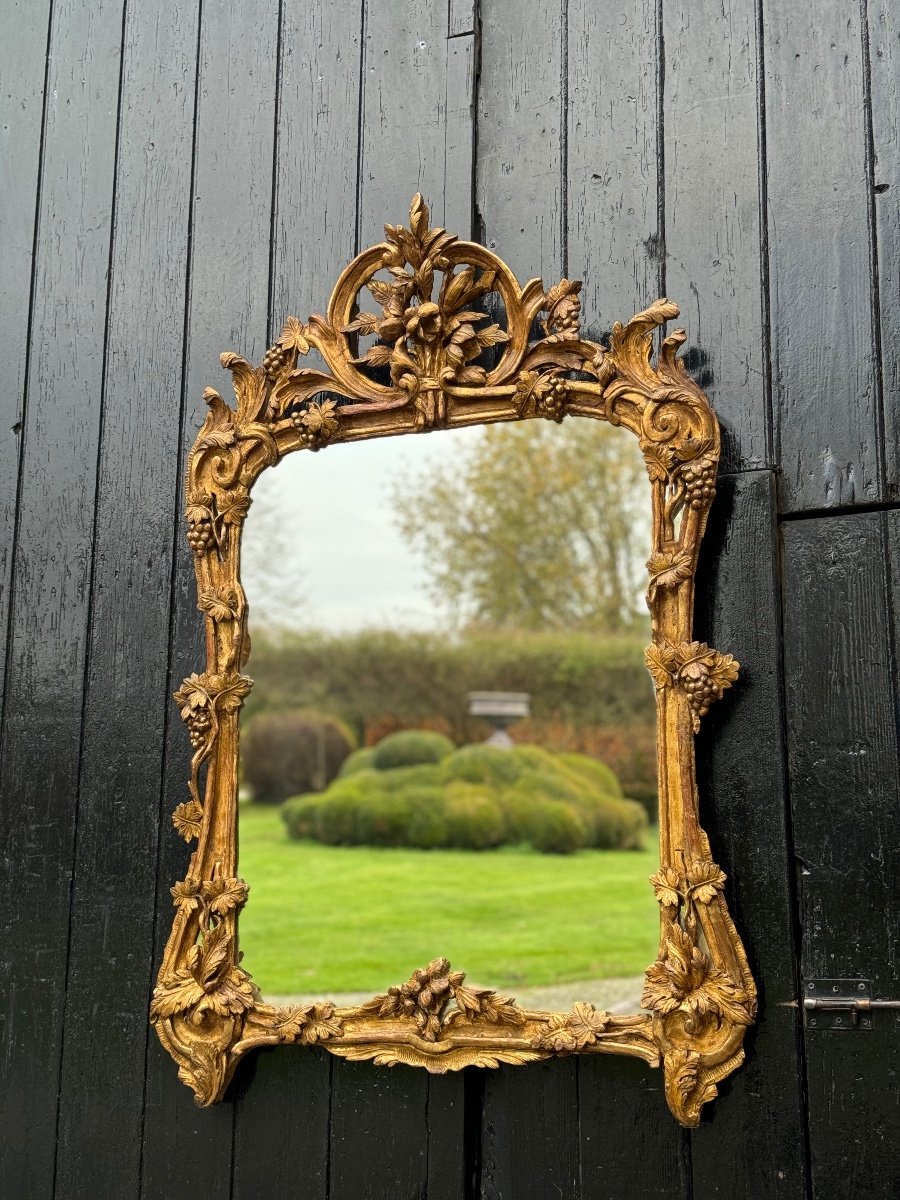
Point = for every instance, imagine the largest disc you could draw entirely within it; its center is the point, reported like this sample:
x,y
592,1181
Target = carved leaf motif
x,y
320,418
223,895
188,819
686,1064
377,356
186,894
233,507
293,336
705,879
365,323
383,292
586,1022
198,507
661,663
527,387
668,887
659,460
249,387
220,603
668,569
685,978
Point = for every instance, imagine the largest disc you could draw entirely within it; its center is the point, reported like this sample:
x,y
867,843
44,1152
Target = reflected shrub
x,y
411,748
283,753
359,760
475,798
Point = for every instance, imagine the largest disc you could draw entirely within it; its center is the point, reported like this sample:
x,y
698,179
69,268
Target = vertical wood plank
x,y
379,1143
318,145
751,1140
188,1150
50,612
629,1144
283,1102
614,238
403,135
23,53
823,373
446,1131
111,937
884,91
530,1132
712,197
520,168
459,141
841,593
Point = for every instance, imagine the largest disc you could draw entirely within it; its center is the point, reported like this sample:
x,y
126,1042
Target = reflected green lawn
x,y
352,918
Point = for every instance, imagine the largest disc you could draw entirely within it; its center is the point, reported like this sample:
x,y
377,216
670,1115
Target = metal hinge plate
x,y
842,1004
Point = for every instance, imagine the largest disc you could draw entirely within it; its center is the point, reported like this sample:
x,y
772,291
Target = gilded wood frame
x,y
699,995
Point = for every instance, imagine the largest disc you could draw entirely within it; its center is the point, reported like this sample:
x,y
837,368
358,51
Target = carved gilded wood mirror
x,y
440,362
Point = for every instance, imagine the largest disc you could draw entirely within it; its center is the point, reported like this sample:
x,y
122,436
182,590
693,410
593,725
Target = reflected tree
x,y
533,527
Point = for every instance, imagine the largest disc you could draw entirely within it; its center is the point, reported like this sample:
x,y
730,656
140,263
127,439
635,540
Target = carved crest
x,y
410,344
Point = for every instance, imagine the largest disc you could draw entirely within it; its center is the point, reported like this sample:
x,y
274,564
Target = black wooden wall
x,y
175,179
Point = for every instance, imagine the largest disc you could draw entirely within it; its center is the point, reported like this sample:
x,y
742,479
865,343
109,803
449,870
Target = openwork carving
x,y
439,360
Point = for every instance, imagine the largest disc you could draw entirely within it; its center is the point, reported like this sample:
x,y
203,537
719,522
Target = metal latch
x,y
840,1004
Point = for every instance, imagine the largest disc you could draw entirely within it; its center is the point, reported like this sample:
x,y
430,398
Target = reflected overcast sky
x,y
323,525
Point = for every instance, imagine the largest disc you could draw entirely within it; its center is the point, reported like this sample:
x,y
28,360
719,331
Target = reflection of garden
x,y
377,830
368,855
329,920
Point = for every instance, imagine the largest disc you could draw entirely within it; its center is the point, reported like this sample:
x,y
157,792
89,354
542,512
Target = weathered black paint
x,y
176,180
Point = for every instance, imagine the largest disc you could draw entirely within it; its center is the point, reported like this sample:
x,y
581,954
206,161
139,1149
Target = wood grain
x,y
840,592
521,132
754,1144
613,166
317,151
824,382
883,60
229,299
23,51
50,615
121,760
712,213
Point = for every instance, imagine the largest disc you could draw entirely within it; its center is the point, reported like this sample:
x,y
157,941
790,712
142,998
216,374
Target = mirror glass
x,y
449,749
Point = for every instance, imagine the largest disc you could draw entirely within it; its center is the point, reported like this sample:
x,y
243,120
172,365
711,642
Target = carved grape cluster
x,y
275,360
310,439
200,535
699,478
199,724
701,688
553,402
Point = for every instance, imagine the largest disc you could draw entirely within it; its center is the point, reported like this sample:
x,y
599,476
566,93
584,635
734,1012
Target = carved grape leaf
x,y
668,569
661,663
186,894
365,323
659,460
198,507
668,886
587,1023
560,291
320,418
233,507
188,819
377,356
223,895
705,879
219,603
293,336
